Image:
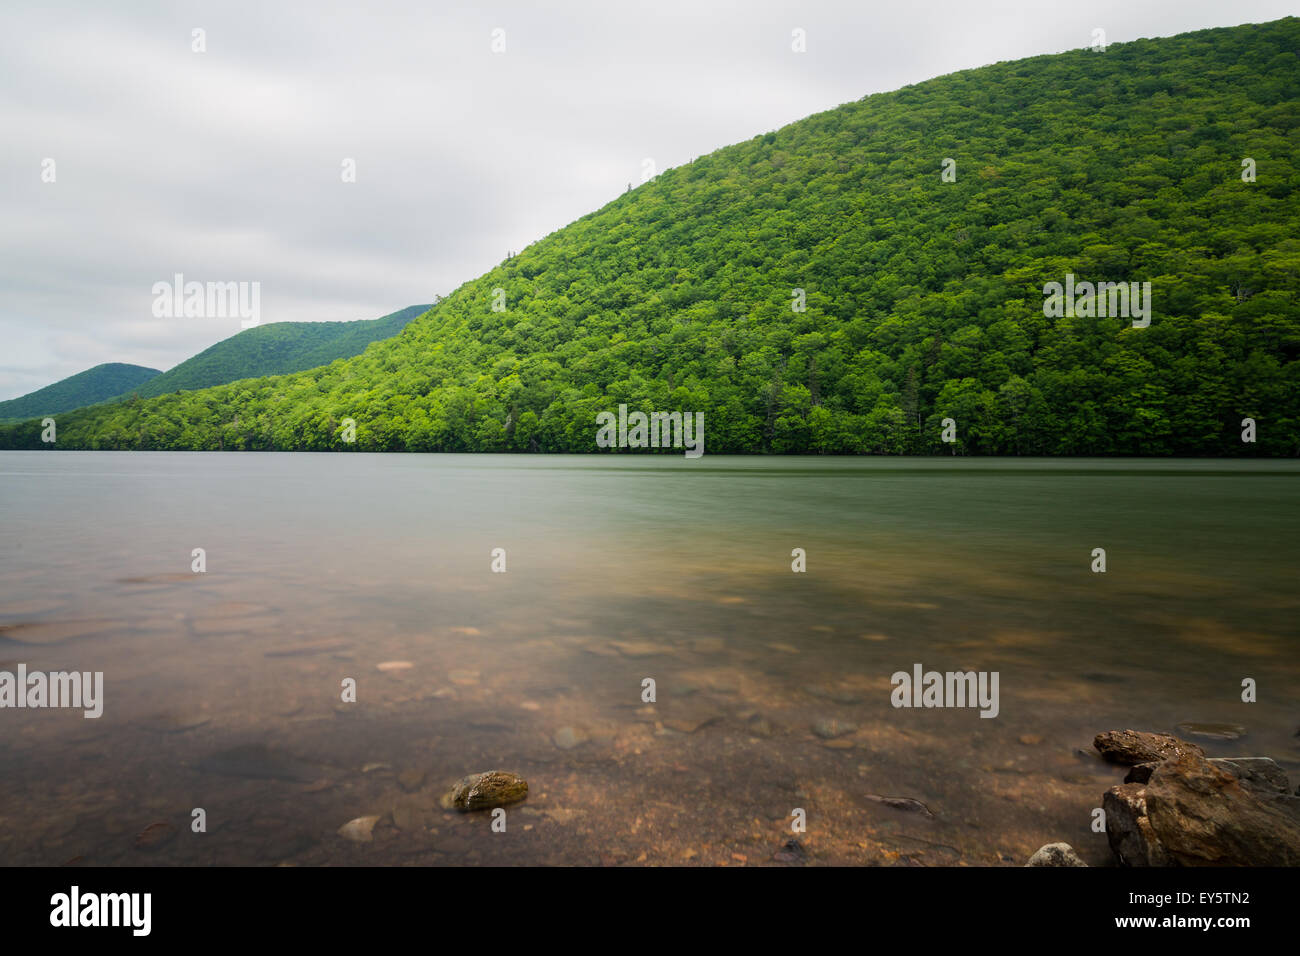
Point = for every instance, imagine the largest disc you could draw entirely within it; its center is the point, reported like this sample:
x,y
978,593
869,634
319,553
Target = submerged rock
x,y
906,804
1131,747
485,791
360,830
1213,731
688,725
792,851
830,729
411,780
1055,854
566,738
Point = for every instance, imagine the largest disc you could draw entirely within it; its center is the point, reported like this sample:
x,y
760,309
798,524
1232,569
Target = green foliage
x,y
924,298
277,348
96,384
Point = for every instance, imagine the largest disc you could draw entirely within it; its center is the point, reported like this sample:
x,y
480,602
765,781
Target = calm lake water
x,y
222,689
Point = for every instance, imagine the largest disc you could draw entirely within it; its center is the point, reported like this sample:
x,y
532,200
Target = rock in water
x,y
566,738
1213,731
1257,774
1130,747
832,728
360,830
1055,854
1193,813
906,804
792,851
484,791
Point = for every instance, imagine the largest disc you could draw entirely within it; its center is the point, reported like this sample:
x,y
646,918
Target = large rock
x,y
1128,830
1257,774
1055,854
1132,747
1195,813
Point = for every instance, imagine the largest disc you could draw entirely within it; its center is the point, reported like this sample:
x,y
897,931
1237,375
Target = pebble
x,y
829,729
566,738
1055,854
360,830
389,667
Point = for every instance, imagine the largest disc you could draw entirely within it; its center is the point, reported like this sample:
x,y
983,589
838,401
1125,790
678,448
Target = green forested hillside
x,y
277,348
924,298
85,388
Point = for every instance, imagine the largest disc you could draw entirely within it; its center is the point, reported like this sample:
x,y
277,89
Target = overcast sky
x,y
226,165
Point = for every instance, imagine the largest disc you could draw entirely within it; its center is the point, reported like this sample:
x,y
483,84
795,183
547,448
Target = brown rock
x,y
1192,812
1130,747
485,791
1257,774
1203,816
1128,830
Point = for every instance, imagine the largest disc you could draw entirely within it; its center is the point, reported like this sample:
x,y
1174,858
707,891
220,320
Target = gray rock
x,y
1055,854
1258,774
566,738
1213,731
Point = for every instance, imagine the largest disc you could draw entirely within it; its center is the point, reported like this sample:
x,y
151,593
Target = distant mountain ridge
x,y
273,349
276,349
90,387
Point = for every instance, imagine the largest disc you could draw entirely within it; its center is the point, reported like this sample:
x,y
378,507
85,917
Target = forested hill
x,y
924,298
275,349
85,388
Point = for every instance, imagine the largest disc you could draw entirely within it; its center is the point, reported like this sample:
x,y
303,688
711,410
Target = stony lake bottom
x,y
222,689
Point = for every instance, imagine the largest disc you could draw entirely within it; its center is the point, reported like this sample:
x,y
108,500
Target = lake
x,y
223,689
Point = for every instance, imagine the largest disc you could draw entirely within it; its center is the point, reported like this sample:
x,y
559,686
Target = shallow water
x,y
222,689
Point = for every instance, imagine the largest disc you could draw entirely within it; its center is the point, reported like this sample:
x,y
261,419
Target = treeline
x,y
923,298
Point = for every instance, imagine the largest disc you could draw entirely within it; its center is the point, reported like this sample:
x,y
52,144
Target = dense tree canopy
x,y
96,384
924,298
275,349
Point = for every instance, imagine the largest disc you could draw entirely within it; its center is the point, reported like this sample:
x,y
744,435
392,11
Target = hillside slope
x,y
924,298
277,348
85,388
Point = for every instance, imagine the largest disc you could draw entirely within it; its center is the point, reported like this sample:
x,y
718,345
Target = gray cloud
x,y
225,165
